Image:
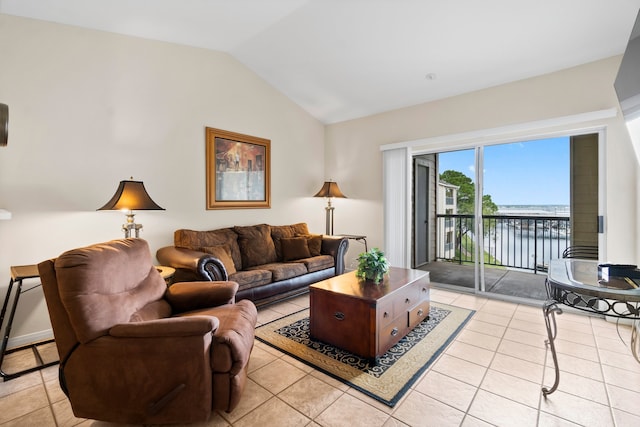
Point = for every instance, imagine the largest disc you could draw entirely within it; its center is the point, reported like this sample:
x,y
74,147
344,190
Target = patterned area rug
x,y
396,370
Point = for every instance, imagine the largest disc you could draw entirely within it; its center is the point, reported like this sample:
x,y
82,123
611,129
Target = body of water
x,y
531,243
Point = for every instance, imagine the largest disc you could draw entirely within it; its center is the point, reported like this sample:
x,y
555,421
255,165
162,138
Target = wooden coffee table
x,y
367,319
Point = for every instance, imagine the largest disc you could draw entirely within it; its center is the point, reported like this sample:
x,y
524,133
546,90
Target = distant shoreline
x,y
534,209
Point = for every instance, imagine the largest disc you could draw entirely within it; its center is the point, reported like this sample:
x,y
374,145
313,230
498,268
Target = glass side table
x,y
582,285
358,238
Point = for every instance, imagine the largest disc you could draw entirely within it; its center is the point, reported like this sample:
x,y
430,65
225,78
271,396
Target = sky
x,y
521,173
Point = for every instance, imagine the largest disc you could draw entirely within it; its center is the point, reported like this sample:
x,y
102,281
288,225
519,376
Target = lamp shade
x,y
330,189
131,195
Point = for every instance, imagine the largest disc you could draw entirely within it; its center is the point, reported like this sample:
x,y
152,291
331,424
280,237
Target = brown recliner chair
x,y
133,350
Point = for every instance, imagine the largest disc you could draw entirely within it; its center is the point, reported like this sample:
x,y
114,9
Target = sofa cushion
x,y
294,248
314,243
195,240
279,232
251,278
317,263
223,253
256,245
283,270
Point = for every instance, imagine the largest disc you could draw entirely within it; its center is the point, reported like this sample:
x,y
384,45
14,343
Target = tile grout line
x,y
46,392
478,388
604,378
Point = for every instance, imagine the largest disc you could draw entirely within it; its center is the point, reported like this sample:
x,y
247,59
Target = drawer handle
x,y
407,301
339,315
385,315
394,332
424,289
420,312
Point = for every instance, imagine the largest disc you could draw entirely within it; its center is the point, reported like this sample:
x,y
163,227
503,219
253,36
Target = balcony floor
x,y
498,280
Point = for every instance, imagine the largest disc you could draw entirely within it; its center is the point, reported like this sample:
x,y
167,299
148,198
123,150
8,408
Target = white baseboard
x,y
30,338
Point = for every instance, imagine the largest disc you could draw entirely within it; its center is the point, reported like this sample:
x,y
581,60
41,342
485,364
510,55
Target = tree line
x,y
466,194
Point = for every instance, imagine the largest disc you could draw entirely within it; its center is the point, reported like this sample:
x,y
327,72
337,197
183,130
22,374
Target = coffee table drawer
x,y
385,314
423,290
406,298
392,333
419,313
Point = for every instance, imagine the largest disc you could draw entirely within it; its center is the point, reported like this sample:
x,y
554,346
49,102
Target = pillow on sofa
x,y
256,245
294,248
314,242
223,253
279,232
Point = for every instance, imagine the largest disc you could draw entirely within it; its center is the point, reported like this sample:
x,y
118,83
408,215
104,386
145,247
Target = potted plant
x,y
372,265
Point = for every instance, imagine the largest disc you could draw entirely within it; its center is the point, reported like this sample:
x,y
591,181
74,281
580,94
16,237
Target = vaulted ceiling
x,y
343,59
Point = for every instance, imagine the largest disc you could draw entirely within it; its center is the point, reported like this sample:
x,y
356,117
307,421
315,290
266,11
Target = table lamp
x,y
330,189
131,195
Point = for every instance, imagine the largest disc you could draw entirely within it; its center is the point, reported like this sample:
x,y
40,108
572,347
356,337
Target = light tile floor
x,y
490,375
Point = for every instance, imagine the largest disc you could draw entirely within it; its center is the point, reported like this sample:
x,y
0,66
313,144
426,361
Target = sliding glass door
x,y
525,214
503,211
455,195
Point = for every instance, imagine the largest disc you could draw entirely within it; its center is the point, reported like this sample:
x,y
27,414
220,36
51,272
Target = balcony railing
x,y
526,242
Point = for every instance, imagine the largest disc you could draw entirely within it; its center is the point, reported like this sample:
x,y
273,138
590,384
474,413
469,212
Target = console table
x,y
576,283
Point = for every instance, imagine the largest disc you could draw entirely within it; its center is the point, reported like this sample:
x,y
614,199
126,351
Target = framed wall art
x,y
238,170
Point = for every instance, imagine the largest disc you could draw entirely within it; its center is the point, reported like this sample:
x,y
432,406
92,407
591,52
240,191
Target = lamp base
x,y
130,228
329,215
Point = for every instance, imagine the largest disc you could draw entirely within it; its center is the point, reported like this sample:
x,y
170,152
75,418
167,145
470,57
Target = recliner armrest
x,y
169,327
186,296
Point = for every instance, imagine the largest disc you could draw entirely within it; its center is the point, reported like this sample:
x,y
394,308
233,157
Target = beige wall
x,y
88,109
353,148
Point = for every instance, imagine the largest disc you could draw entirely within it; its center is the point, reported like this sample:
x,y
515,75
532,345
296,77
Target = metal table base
x,y
575,283
18,274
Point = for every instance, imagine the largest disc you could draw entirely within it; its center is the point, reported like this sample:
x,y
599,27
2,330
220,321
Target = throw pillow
x,y
256,245
314,242
294,248
279,232
223,253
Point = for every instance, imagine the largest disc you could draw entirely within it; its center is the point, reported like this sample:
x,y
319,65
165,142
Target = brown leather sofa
x,y
269,262
133,351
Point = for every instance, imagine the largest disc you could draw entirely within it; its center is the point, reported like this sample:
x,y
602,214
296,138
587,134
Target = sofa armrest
x,y
186,296
192,265
336,247
169,327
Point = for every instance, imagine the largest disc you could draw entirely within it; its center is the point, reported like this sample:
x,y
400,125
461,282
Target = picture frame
x,y
238,170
